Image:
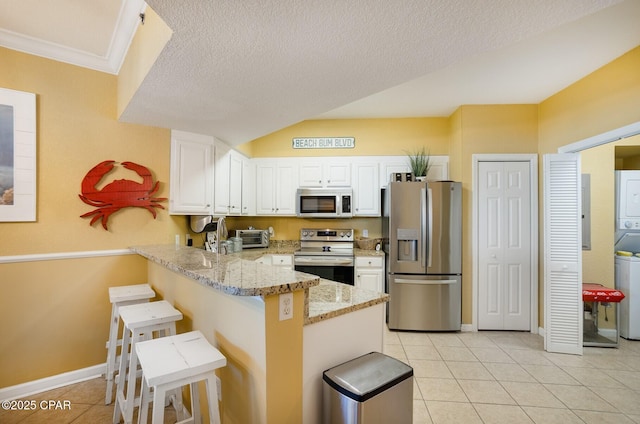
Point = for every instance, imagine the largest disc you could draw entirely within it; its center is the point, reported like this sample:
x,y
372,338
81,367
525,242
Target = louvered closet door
x,y
562,254
504,244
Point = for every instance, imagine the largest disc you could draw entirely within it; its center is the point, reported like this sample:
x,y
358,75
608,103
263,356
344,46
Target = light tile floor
x,y
507,377
484,377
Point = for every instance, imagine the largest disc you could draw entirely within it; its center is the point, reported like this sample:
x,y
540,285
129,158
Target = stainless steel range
x,y
327,253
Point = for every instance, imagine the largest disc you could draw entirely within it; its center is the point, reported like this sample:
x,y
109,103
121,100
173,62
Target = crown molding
x,y
126,25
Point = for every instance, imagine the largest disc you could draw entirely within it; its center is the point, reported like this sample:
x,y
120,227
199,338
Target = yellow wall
x,y
373,137
76,129
143,52
486,129
607,99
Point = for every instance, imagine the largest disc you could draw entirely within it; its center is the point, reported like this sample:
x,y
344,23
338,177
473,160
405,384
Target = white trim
x,y
64,255
541,331
126,26
533,174
468,328
604,138
50,383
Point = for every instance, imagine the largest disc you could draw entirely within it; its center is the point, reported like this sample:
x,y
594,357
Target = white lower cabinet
x,y
369,271
284,261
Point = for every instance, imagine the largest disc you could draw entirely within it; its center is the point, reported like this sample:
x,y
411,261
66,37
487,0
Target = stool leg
x,y
195,403
111,352
212,397
129,402
121,379
145,398
158,405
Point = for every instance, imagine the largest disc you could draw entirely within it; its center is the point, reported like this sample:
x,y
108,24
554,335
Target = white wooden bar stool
x,y
140,322
172,362
121,296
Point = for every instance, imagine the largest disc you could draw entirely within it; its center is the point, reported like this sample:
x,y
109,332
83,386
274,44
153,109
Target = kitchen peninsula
x,y
274,370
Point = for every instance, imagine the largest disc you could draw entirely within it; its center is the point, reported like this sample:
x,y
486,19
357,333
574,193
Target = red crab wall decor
x,y
119,194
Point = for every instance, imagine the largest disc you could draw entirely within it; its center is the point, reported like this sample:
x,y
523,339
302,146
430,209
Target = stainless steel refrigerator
x,y
423,243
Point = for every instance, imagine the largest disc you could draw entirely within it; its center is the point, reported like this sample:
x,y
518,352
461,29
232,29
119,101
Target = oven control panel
x,y
326,234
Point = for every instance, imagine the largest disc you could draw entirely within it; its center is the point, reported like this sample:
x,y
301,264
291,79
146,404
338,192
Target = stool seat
x,y
175,361
121,296
149,314
129,293
140,321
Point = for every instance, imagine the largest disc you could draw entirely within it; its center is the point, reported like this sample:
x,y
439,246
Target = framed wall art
x,y
17,156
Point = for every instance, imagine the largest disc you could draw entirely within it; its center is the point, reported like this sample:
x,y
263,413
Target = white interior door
x,y
563,254
504,245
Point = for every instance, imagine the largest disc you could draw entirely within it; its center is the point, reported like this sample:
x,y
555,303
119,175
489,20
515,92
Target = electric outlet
x,y
219,388
286,306
365,233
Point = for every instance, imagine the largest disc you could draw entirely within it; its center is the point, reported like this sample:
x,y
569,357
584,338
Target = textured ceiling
x,y
242,69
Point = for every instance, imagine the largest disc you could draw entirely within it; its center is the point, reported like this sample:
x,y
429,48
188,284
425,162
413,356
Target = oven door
x,y
334,269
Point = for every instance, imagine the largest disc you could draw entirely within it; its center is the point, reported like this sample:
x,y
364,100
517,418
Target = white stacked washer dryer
x,y
627,268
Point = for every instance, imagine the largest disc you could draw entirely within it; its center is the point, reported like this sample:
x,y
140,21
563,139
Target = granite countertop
x,y
236,274
330,299
239,274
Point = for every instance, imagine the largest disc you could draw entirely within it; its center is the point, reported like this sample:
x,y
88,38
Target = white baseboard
x,y
541,331
44,384
467,328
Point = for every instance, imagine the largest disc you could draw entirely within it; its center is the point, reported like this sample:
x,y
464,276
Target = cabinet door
x,y
248,187
286,186
391,166
191,175
235,183
265,188
337,174
311,173
282,261
370,273
325,172
221,195
369,280
366,189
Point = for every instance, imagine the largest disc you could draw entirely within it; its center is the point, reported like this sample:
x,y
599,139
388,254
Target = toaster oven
x,y
253,238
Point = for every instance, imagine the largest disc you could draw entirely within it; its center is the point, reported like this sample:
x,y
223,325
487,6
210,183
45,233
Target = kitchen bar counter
x,y
238,274
274,364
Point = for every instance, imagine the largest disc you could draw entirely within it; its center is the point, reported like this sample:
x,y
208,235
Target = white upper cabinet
x,y
229,183
325,172
191,174
438,171
221,191
366,189
248,187
276,184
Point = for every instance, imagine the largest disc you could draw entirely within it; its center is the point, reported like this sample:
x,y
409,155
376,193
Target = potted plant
x,y
420,162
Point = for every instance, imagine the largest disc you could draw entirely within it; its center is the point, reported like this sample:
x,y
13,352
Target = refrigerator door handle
x,y
430,227
423,226
423,282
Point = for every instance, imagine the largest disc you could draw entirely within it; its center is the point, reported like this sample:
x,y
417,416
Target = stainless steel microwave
x,y
324,202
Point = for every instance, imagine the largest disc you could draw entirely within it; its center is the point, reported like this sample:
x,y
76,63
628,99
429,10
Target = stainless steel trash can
x,y
373,388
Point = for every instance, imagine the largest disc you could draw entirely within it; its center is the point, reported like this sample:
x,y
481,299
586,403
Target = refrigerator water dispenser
x,y
407,244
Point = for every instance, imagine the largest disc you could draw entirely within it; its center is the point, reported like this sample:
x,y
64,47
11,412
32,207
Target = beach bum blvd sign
x,y
324,143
